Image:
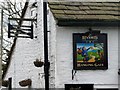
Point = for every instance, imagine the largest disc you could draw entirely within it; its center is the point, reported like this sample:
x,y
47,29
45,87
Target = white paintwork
x,y
60,57
64,60
25,53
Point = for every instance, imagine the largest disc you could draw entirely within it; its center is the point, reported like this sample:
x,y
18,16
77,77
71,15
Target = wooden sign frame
x,y
90,51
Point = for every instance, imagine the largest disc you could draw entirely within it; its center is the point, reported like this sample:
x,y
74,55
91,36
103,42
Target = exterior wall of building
x,y
52,49
60,57
25,53
64,59
119,55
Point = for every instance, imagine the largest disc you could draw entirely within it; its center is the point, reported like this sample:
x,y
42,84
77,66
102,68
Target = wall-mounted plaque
x,y
90,51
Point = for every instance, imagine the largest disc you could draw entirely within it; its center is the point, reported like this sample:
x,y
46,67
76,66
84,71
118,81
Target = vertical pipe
x,y
1,37
46,66
10,84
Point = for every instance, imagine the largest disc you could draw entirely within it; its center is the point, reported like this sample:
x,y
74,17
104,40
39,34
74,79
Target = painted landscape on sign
x,y
90,52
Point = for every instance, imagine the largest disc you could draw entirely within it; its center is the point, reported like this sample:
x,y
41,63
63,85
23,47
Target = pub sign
x,y
90,51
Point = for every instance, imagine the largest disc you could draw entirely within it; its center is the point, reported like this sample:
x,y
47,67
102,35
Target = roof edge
x,y
90,22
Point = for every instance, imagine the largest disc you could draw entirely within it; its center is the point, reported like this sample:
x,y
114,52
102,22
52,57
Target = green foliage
x,y
90,54
79,57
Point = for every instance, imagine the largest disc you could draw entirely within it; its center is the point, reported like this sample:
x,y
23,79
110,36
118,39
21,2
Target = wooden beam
x,y
23,19
88,23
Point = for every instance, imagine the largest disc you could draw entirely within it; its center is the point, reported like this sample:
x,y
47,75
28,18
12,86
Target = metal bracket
x,y
91,31
73,73
118,71
22,31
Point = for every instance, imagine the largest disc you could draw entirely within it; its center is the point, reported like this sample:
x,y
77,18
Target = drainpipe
x,y
10,84
46,65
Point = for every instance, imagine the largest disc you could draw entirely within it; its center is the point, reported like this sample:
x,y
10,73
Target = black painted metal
x,y
20,31
73,73
31,34
24,19
46,65
79,86
8,30
10,84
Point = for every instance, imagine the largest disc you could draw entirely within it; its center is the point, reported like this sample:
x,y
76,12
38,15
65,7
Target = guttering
x,y
90,22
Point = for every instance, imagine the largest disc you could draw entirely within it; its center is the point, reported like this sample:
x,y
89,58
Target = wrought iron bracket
x,y
73,73
22,31
92,32
118,71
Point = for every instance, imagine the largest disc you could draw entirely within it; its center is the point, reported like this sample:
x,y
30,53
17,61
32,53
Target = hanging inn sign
x,y
90,51
19,30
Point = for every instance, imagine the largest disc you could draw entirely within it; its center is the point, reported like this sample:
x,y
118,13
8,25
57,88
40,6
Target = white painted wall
x,y
25,53
52,49
64,59
60,57
119,55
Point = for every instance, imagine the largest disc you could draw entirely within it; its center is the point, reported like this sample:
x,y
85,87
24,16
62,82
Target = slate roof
x,y
79,11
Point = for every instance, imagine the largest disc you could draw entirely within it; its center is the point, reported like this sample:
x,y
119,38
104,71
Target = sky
x,y
87,45
68,0
16,0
